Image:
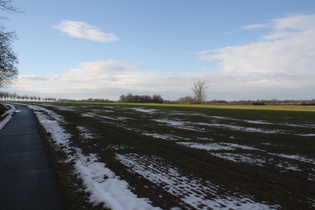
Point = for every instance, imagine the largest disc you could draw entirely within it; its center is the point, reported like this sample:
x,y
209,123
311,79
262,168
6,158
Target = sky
x,y
245,50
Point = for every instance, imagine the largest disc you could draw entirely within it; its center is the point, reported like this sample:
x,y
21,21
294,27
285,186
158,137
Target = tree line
x,y
15,97
6,96
98,100
129,98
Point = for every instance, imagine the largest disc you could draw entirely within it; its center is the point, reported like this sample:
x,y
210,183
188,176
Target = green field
x,y
254,107
200,156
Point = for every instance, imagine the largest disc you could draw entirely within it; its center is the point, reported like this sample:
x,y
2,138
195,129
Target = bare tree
x,y
199,90
8,59
6,5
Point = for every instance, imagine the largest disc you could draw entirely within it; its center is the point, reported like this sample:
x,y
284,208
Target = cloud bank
x,y
289,50
278,65
83,30
283,59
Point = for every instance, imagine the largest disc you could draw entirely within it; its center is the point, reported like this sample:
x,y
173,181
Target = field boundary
x,y
207,106
203,106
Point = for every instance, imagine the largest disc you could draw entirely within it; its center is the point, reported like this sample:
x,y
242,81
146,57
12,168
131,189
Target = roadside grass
x,y
270,137
2,109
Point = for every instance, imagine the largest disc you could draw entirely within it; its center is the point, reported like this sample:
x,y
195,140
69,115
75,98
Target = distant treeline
x,y
129,98
15,97
6,96
99,100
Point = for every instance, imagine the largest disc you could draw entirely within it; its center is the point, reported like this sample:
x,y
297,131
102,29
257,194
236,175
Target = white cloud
x,y
110,79
255,26
298,22
279,65
83,30
135,65
288,50
34,77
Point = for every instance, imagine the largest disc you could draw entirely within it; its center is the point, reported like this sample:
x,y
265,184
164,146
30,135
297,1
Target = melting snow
x,y
170,122
216,146
310,134
144,110
8,115
256,160
193,192
295,157
104,117
209,147
247,158
240,128
118,147
308,125
188,125
102,184
106,187
161,136
85,133
178,124
257,122
243,158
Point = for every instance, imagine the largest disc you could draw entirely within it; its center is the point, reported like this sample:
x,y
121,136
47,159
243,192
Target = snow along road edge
x,y
115,193
9,113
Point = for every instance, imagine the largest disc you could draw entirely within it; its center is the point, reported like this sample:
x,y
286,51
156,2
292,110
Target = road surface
x,y
27,180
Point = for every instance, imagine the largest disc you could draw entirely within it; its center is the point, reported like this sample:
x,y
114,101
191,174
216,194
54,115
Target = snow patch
x,y
216,146
104,117
118,147
161,136
188,125
178,124
106,187
144,110
7,114
193,192
310,134
241,158
258,122
208,147
102,184
257,160
295,157
170,122
85,133
241,128
52,124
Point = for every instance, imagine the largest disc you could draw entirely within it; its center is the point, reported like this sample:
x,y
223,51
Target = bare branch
x,y
6,6
199,90
8,59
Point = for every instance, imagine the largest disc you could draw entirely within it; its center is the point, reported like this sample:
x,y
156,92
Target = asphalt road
x,y
27,180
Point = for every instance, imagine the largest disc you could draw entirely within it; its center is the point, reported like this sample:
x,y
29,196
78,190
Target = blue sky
x,y
246,49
